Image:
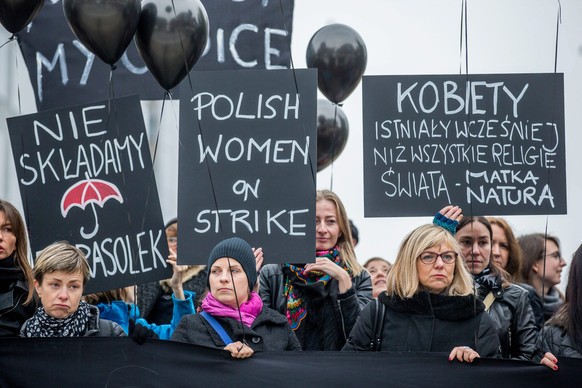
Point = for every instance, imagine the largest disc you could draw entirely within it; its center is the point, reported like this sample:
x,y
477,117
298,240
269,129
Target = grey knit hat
x,y
238,249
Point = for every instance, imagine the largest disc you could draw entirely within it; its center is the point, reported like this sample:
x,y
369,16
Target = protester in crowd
x,y
119,305
562,334
155,300
378,269
429,305
507,303
355,233
321,300
542,269
507,256
505,248
231,312
17,301
61,272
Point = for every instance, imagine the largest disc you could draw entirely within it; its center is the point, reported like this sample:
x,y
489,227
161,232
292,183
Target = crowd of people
x,y
463,285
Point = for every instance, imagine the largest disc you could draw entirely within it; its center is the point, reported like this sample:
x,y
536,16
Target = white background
x,y
402,37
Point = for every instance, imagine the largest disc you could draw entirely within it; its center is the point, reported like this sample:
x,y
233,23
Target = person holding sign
x,y
429,304
321,300
232,312
508,304
16,283
60,274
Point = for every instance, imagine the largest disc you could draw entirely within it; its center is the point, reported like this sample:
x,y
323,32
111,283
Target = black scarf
x,y
10,273
75,325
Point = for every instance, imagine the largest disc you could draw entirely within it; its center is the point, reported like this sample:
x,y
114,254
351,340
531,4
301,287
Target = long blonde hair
x,y
403,278
345,240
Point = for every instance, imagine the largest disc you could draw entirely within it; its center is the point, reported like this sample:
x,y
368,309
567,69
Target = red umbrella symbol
x,y
89,191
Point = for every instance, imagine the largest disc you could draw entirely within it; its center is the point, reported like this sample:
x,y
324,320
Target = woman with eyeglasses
x,y
429,304
542,269
508,304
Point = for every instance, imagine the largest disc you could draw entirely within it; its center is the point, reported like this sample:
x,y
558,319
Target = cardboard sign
x,y
493,144
243,34
247,163
85,176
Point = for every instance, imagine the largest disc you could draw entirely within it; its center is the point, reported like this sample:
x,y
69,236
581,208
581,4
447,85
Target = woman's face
x,y
172,238
221,282
437,276
7,237
60,293
378,271
327,230
500,246
553,266
475,243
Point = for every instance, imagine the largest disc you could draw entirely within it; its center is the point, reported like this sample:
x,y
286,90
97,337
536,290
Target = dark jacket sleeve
x,y
525,329
182,333
354,300
270,286
361,334
488,344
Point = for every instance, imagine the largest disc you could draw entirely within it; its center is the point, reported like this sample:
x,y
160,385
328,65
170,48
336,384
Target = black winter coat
x,y
427,322
347,306
556,340
13,293
269,331
512,312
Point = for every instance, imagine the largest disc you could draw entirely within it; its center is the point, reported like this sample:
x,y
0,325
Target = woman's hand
x,y
454,213
463,354
177,275
239,350
258,257
325,265
550,361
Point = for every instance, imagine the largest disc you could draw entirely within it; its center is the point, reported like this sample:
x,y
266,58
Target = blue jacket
x,y
121,312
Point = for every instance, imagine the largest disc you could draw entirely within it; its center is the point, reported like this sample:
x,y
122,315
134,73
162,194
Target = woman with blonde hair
x,y
429,304
322,300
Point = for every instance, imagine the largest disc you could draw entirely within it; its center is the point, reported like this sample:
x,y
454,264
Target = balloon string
x,y
17,80
311,164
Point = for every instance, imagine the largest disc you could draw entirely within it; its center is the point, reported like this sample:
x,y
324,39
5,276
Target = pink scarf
x,y
249,310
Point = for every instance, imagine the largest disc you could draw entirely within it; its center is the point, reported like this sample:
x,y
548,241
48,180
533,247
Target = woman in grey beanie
x,y
231,312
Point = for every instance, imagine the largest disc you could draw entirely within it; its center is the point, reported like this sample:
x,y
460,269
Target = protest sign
x,y
243,34
85,176
492,144
247,162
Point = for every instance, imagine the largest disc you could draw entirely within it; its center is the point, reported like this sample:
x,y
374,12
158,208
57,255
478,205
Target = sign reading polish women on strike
x,y
247,162
85,176
493,144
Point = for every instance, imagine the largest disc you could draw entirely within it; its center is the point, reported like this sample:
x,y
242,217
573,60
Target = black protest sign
x,y
85,176
247,162
493,144
244,34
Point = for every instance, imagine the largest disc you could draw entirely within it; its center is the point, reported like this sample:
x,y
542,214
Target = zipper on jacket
x,y
339,305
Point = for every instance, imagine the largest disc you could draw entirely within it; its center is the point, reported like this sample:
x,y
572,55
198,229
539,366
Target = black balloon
x,y
16,14
106,27
332,132
340,56
171,41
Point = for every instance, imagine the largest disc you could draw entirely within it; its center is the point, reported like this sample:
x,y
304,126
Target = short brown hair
x,y
61,256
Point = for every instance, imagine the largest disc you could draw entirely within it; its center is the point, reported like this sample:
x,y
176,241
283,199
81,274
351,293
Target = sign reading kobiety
x,y
85,176
247,162
493,144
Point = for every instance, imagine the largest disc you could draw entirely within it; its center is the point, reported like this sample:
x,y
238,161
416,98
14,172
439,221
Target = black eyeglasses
x,y
448,257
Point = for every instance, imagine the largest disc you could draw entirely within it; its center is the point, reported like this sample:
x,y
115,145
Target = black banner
x,y
85,176
247,162
494,144
120,362
243,34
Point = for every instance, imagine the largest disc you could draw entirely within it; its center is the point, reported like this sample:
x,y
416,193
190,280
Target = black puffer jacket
x,y
348,305
428,322
512,312
554,339
269,331
13,293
